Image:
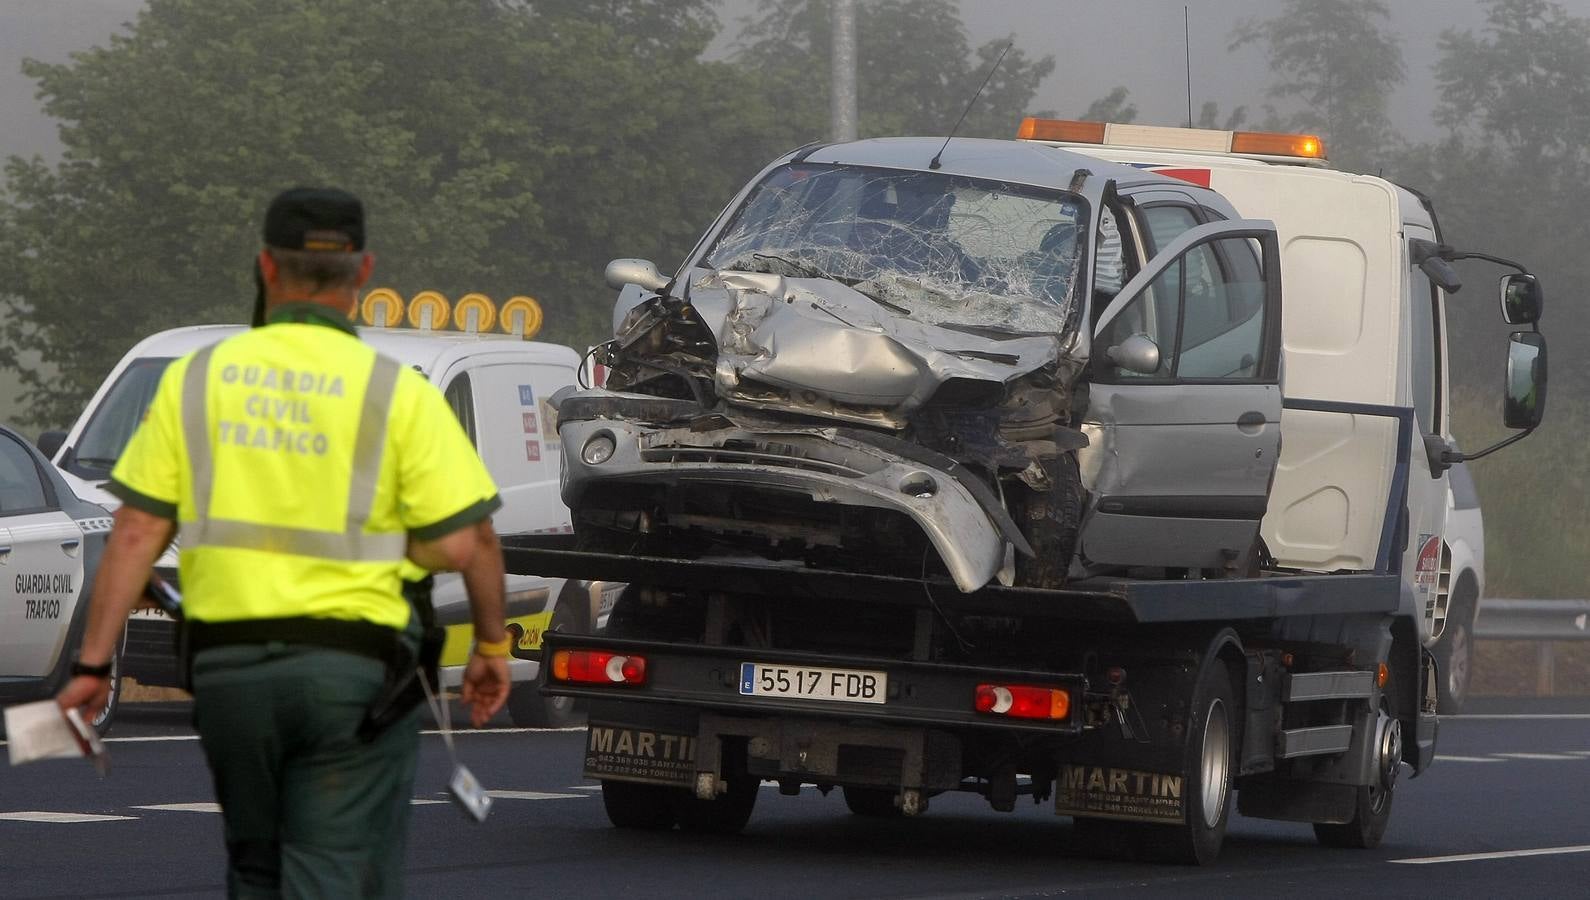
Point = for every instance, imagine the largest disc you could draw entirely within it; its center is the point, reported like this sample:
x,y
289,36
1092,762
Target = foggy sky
x,y
1097,44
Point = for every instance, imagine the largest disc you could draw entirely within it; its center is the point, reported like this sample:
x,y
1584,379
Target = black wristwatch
x,y
100,671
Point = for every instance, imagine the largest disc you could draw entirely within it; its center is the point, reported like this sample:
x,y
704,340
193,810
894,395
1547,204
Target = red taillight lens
x,y
1020,701
598,667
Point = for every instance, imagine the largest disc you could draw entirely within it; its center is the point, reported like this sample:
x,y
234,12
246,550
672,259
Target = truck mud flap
x,y
1106,792
646,754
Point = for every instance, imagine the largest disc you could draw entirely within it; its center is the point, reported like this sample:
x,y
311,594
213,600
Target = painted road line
x,y
184,807
152,739
423,801
1556,756
1577,752
584,787
61,818
1478,716
531,795
1500,854
1440,758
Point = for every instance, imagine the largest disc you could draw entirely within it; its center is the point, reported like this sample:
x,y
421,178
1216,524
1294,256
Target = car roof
x,y
1021,162
425,349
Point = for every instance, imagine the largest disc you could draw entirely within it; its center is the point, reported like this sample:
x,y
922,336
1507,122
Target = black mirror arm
x,y
1452,457
1450,255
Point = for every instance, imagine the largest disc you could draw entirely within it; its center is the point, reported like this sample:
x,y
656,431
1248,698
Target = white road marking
x,y
56,817
1538,756
531,795
422,801
1441,758
1577,752
584,787
1521,716
1500,854
457,731
184,807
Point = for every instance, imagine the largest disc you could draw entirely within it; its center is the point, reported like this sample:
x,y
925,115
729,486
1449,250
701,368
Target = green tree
x,y
1338,60
502,147
1116,106
915,70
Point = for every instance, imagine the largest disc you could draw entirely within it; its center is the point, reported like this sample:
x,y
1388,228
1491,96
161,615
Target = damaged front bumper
x,y
959,515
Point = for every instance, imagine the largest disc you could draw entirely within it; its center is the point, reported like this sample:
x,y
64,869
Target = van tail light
x,y
1019,701
598,667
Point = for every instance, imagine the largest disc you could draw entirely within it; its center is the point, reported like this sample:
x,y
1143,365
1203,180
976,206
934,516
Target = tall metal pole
x,y
842,98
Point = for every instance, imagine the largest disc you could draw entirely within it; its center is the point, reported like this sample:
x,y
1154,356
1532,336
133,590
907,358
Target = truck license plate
x,y
813,683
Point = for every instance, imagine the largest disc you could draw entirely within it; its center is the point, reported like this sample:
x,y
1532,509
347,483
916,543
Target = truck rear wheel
x,y
872,803
726,813
1454,653
646,807
1211,750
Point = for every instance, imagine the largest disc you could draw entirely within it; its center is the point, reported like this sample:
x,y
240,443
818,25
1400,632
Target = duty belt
x,y
350,636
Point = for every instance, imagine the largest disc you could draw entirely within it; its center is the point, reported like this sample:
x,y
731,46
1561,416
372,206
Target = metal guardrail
x,y
1542,621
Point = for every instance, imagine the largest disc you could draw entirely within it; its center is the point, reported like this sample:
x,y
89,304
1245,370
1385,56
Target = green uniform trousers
x,y
310,809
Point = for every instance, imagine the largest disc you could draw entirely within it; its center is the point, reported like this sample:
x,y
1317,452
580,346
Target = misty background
x,y
513,146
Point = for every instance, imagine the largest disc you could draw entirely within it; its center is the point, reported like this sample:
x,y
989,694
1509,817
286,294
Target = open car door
x,y
1185,404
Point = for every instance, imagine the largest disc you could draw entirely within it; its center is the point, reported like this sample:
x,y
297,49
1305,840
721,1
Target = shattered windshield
x,y
940,249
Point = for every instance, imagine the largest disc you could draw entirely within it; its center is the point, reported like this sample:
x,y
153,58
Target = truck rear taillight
x,y
598,667
1020,701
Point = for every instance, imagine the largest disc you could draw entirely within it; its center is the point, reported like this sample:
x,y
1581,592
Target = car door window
x,y
21,487
1206,313
459,398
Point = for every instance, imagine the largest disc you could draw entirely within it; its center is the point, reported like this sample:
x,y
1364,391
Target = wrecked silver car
x,y
877,364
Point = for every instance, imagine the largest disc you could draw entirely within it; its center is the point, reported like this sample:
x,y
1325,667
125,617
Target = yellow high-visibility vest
x,y
297,463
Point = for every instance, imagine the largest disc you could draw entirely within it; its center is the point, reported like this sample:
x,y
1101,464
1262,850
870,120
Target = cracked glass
x,y
935,248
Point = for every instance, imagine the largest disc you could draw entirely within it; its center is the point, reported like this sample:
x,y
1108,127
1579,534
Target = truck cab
x,y
498,386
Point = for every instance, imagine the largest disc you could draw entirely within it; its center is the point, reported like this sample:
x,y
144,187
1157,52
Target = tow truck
x,y
958,466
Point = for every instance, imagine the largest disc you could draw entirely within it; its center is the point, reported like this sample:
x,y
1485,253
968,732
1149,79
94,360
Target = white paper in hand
x,y
40,731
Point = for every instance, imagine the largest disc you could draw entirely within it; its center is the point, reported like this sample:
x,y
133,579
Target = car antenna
x,y
934,163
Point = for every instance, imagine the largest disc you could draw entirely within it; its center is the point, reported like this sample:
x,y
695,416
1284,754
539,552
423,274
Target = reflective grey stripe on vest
x,y
352,544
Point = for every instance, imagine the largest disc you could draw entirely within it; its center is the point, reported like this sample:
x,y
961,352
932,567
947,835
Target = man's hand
x,y
486,687
89,695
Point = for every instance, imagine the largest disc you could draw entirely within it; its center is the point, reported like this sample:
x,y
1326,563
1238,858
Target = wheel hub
x,y
1390,751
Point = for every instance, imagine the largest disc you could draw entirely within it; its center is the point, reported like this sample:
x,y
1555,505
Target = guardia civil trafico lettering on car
x,y
959,466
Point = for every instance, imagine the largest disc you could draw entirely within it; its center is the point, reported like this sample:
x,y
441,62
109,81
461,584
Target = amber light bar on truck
x,y
598,667
1020,701
1156,137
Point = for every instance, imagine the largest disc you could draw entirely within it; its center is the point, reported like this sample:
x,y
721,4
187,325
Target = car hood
x,y
798,343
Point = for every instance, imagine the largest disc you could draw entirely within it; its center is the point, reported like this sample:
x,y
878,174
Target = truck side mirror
x,y
1137,353
1525,401
1522,300
640,272
1442,273
49,443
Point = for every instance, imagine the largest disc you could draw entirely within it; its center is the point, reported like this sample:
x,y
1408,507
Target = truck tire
x,y
526,705
871,803
1454,652
726,813
646,807
1209,762
1051,521
1372,812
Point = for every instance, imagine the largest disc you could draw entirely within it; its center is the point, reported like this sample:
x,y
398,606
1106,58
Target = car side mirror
x,y
1525,400
640,272
1522,300
49,443
1137,353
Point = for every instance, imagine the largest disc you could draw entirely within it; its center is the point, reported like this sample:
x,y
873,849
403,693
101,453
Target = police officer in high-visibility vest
x,y
298,469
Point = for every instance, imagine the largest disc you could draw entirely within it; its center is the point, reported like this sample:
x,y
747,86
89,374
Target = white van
x,y
1364,324
497,384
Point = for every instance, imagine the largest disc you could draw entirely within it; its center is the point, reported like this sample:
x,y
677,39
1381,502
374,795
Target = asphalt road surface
x,y
1504,812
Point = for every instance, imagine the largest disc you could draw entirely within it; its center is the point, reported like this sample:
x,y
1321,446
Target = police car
x,y
498,385
50,544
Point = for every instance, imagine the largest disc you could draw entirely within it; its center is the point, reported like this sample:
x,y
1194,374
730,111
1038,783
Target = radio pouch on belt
x,y
402,690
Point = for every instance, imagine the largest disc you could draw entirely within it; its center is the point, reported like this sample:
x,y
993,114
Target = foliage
x,y
1337,59
469,128
915,70
1116,106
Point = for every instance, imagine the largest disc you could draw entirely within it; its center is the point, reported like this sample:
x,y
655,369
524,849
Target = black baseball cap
x,y
315,219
